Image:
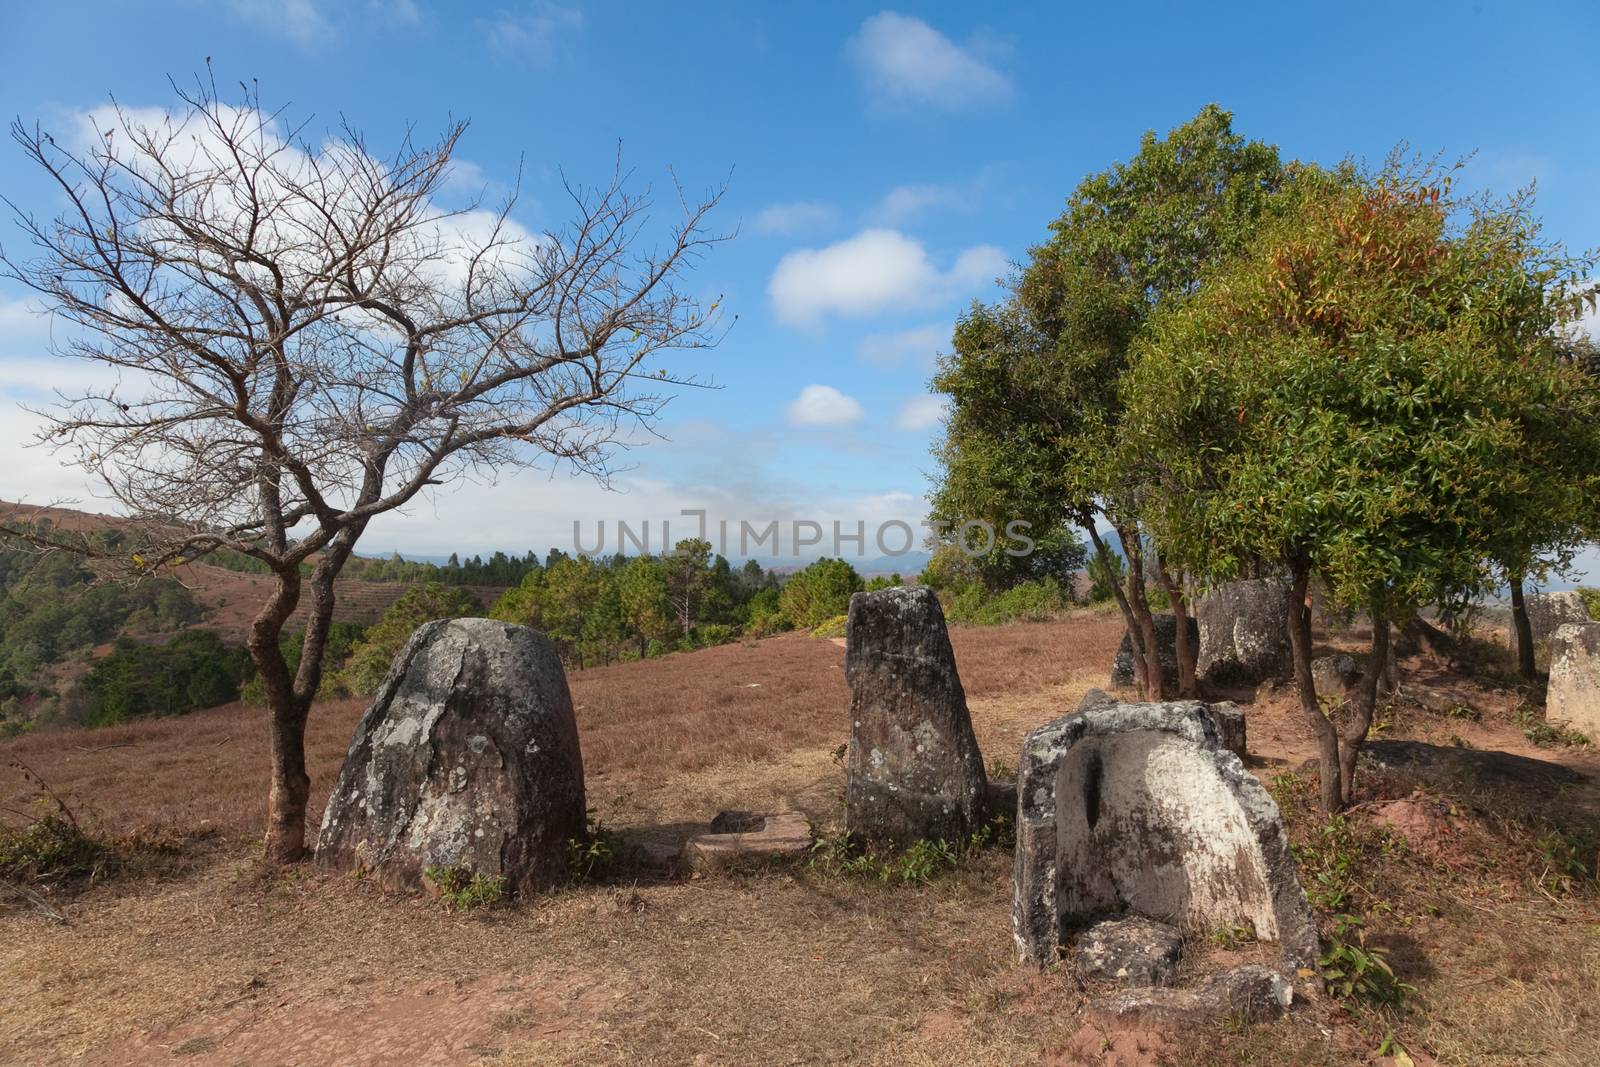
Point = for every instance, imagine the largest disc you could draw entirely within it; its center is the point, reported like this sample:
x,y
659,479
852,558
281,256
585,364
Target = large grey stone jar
x,y
468,757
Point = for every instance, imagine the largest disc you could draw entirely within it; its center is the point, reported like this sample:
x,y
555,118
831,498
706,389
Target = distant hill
x,y
231,598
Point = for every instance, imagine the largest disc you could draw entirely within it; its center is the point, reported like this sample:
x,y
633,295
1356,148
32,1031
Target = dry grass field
x,y
192,954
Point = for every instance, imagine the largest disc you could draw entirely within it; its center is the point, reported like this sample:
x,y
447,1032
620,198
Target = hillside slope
x,y
231,598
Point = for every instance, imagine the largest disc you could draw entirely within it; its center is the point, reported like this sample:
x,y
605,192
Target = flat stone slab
x,y
743,836
1131,951
1251,993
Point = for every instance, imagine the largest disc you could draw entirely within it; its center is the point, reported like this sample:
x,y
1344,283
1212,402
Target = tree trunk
x,y
1524,628
1135,634
1155,684
1355,730
1322,728
289,786
289,697
1187,652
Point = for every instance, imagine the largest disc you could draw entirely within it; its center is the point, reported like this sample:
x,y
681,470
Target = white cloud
x,y
917,346
907,202
907,63
299,19
405,11
532,32
875,271
920,413
823,405
785,220
978,266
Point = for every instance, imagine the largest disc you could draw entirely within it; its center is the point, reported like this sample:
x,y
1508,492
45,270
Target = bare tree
x,y
303,339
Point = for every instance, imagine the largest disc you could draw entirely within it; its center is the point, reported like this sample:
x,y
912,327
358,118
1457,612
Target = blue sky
x,y
885,166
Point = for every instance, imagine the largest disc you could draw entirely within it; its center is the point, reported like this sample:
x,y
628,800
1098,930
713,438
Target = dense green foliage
x,y
629,607
1245,367
53,607
820,592
194,670
1035,407
1369,389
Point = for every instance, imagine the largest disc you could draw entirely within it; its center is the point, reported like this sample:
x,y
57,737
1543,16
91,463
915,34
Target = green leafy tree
x,y
688,580
1033,381
819,592
646,608
1371,392
194,670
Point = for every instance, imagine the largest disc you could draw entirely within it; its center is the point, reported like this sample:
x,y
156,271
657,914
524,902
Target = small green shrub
x,y
834,627
813,596
463,889
1230,936
1571,859
1029,601
711,634
596,855
1355,970
52,848
918,864
1334,858
1550,734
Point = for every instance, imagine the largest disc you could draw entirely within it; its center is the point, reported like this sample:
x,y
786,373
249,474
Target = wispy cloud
x,y
906,63
301,20
916,346
786,220
533,31
920,413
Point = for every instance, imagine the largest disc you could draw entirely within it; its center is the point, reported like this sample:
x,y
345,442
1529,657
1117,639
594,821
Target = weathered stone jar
x,y
915,771
468,757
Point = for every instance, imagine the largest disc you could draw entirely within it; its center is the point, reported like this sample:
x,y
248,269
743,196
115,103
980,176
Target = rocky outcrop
x,y
915,771
1573,697
1141,807
1122,672
1244,633
1547,612
468,757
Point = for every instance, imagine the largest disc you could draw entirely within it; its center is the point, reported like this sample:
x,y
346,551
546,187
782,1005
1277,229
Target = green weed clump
x,y
1355,970
596,855
463,889
51,849
920,863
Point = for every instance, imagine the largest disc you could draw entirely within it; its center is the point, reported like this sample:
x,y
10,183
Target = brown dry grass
x,y
206,962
